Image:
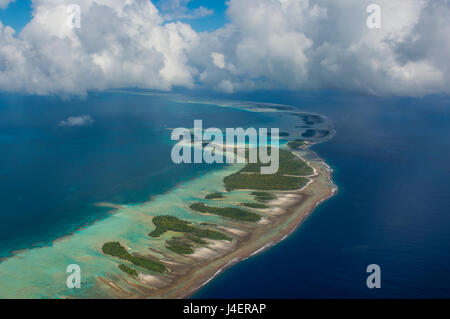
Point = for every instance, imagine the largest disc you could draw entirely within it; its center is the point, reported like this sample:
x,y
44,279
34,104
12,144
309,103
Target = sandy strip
x,y
287,212
261,238
151,280
213,250
234,231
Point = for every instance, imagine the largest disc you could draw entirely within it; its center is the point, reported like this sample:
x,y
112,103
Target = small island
x,y
216,195
174,243
115,249
274,206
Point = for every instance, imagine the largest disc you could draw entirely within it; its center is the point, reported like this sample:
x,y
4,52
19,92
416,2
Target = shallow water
x,y
53,176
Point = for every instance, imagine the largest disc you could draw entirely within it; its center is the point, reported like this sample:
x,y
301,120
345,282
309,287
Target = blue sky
x,y
19,13
212,22
215,21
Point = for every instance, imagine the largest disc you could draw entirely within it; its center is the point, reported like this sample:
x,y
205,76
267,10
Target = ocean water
x,y
51,176
391,160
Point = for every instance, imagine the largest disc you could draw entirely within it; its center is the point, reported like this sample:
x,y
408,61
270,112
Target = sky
x,y
225,46
213,18
15,14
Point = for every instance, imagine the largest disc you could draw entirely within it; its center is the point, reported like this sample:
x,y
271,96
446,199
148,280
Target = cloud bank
x,y
268,44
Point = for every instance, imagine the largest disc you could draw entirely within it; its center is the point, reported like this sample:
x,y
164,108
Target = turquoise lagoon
x,y
53,176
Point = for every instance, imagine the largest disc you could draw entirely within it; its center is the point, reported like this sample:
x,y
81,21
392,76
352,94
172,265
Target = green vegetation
x,y
264,182
179,246
171,223
192,235
230,212
289,165
263,196
255,205
115,249
288,177
208,224
296,143
128,270
215,196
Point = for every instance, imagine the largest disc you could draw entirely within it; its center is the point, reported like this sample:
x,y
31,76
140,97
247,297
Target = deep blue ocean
x,y
391,164
391,160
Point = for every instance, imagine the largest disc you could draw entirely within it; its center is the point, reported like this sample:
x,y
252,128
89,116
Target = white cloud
x,y
326,44
81,120
267,44
225,86
120,44
5,3
218,60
